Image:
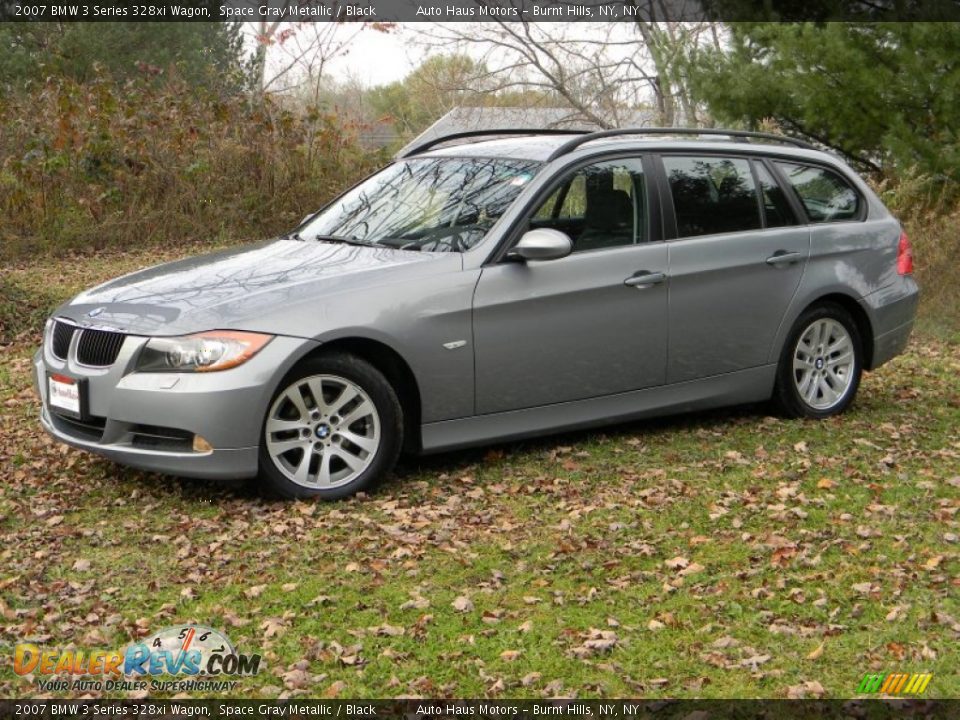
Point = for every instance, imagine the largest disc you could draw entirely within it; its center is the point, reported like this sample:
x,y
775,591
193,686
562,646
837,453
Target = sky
x,y
379,58
374,58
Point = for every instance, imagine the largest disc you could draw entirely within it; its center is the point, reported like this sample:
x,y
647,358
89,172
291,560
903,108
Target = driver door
x,y
582,326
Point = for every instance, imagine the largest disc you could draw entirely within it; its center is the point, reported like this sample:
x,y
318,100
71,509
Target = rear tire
x,y
821,363
334,427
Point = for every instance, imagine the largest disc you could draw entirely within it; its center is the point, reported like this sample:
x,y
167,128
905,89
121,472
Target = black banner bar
x,y
487,709
476,10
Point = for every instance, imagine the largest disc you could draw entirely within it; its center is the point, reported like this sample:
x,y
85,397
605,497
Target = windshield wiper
x,y
344,241
328,239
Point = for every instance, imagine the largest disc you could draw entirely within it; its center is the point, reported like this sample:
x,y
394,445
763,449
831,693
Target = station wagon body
x,y
485,291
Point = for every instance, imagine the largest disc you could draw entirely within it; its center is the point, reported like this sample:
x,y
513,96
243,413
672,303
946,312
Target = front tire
x,y
333,428
821,363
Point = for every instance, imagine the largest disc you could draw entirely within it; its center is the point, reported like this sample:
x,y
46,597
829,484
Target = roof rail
x,y
739,135
417,149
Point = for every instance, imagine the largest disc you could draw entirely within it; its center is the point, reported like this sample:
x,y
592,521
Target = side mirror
x,y
542,244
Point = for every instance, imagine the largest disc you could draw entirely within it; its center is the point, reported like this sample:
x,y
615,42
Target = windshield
x,y
434,204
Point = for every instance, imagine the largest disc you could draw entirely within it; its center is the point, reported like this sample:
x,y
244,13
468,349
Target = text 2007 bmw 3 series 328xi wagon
x,y
483,290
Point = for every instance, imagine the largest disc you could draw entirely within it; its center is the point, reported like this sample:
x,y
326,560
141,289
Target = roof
x,y
539,148
466,119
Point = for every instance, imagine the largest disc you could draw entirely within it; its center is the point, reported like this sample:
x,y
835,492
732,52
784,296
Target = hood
x,y
229,289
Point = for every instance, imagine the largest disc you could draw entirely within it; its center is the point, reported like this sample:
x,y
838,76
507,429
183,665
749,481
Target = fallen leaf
x,y
462,604
418,603
296,678
894,614
530,678
255,591
334,689
816,652
754,660
272,627
388,630
725,642
811,688
781,556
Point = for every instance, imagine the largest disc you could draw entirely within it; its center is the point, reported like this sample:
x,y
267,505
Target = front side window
x,y
712,195
432,204
599,206
826,196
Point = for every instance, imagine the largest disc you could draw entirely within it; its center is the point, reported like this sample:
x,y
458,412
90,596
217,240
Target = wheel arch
x,y
397,371
859,315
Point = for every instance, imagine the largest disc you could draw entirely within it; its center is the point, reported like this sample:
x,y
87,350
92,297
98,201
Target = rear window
x,y
826,196
712,195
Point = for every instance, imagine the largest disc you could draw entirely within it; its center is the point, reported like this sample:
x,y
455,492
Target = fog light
x,y
200,445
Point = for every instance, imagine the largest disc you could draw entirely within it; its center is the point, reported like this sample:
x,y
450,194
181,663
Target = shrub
x,y
85,166
930,213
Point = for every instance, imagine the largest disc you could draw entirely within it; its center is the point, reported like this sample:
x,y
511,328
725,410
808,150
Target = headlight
x,y
202,352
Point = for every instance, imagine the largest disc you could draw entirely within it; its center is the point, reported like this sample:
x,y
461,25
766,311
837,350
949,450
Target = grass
x,y
723,554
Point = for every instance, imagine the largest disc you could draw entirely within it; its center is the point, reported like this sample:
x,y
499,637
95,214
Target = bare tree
x,y
296,54
292,58
667,45
604,73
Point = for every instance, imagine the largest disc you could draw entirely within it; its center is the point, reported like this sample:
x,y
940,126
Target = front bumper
x,y
148,420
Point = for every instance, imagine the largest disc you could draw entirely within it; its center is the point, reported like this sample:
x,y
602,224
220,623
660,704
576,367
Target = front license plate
x,y
65,395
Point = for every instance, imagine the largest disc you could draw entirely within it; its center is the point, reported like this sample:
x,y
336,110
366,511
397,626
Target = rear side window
x,y
712,195
826,196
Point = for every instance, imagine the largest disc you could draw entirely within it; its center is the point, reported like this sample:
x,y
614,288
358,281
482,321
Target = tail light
x,y
904,255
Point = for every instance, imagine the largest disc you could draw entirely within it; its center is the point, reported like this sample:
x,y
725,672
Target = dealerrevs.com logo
x,y
203,658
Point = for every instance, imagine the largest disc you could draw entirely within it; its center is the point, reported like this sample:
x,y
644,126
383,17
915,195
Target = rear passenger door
x,y
737,253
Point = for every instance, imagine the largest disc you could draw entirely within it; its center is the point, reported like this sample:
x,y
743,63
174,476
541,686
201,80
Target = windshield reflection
x,y
432,204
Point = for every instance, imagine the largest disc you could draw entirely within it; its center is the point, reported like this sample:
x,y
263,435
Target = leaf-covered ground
x,y
725,554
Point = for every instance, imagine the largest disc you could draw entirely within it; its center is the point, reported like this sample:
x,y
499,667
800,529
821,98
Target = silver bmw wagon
x,y
484,290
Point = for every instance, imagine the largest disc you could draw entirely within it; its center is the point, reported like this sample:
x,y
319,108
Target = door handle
x,y
784,256
644,279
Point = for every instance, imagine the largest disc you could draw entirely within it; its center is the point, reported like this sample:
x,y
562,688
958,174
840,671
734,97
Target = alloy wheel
x,y
824,364
322,431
